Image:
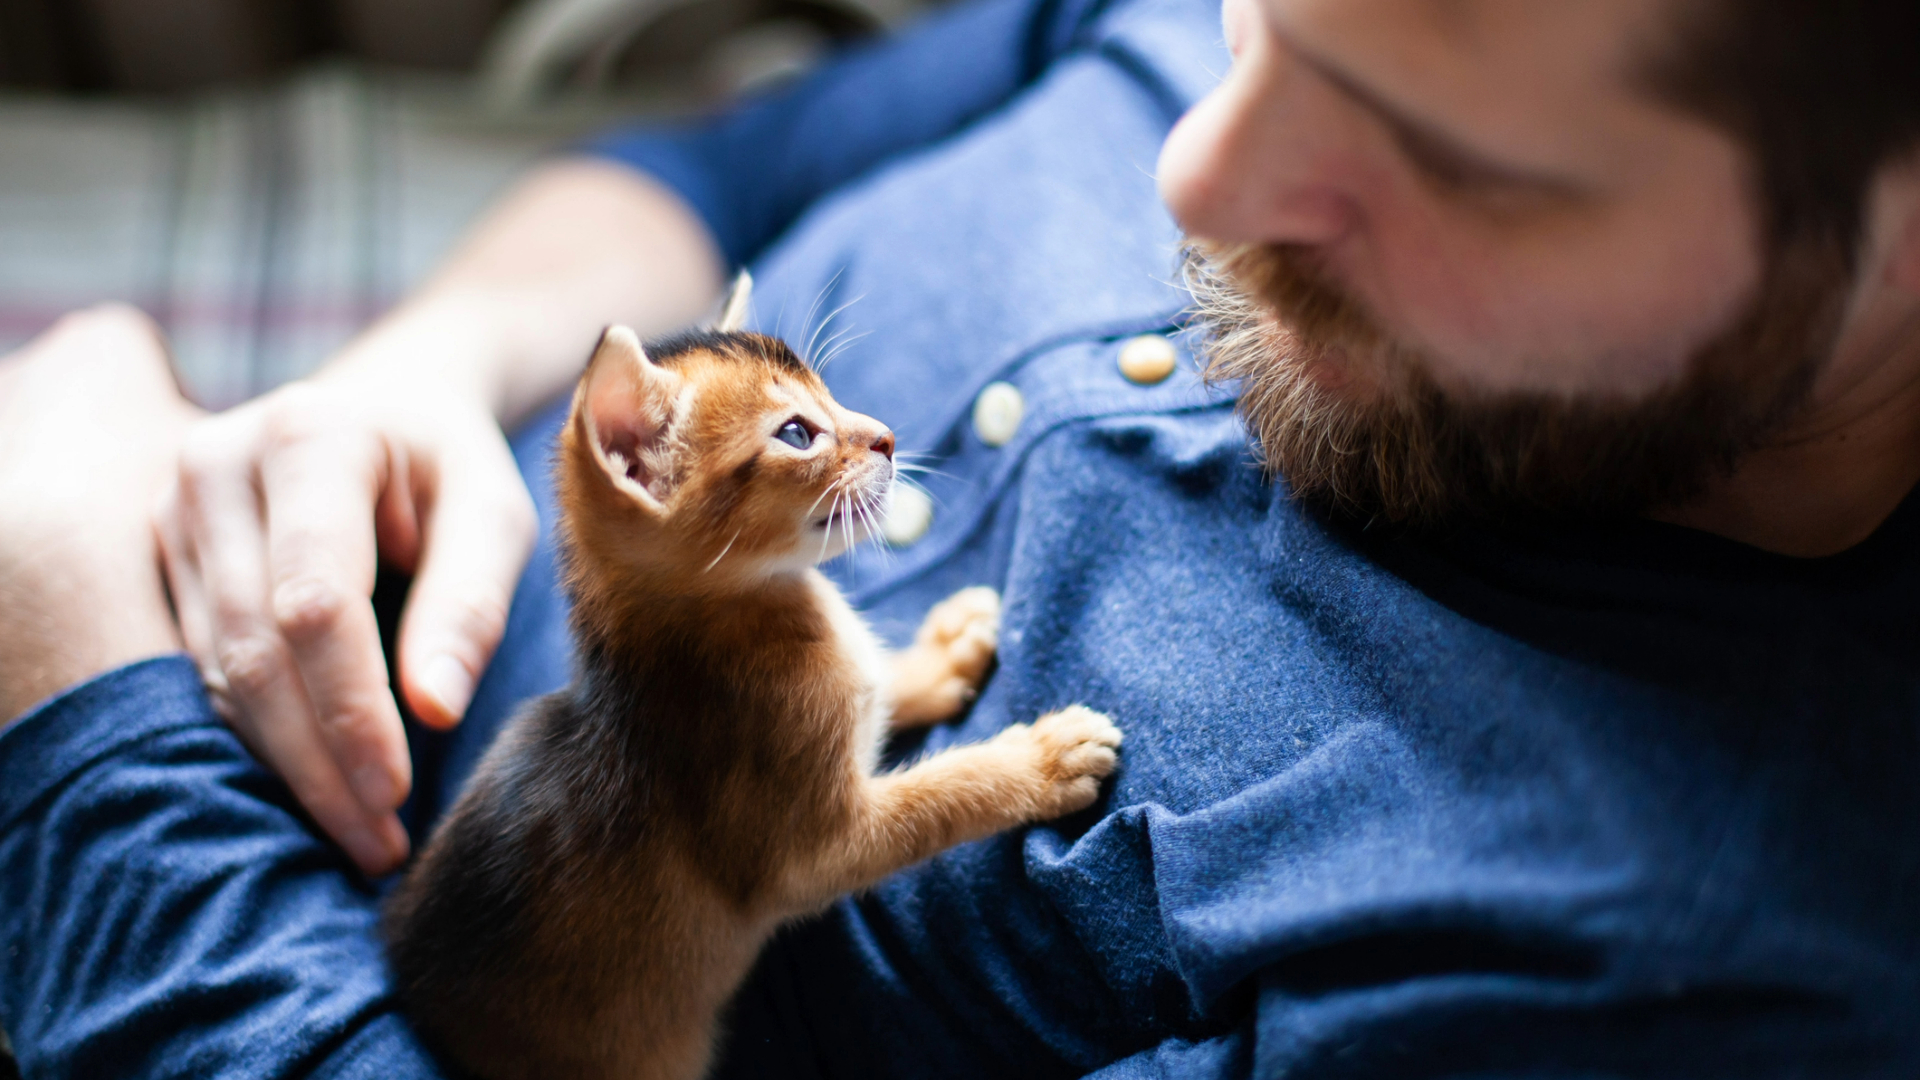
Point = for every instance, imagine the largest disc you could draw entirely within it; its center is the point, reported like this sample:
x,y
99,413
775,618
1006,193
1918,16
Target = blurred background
x,y
265,176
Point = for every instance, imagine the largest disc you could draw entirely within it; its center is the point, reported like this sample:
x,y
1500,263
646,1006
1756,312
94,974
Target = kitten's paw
x,y
965,628
1075,749
943,670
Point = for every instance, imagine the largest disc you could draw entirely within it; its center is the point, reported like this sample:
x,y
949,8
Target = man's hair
x,y
1825,92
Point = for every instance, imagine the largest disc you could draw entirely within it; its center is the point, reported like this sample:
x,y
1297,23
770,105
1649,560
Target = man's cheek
x,y
1489,320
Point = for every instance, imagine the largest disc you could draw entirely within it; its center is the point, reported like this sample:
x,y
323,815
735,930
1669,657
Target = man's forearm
x,y
512,314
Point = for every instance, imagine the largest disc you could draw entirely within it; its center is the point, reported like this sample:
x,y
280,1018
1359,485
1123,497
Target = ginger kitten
x,y
617,861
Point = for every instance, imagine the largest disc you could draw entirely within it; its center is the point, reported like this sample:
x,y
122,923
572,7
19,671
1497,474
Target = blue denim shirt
x,y
1617,801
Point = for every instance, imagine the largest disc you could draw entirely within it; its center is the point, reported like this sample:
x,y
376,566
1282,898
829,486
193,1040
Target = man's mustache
x,y
1290,280
1349,417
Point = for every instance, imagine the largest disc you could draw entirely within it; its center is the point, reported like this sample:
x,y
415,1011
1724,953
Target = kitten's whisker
x,y
835,313
816,329
871,514
840,521
814,338
826,534
816,503
832,351
846,529
806,321
861,533
818,299
918,486
843,331
724,550
924,470
826,355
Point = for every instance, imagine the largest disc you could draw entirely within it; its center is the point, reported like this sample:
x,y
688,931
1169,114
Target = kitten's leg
x,y
1024,774
935,677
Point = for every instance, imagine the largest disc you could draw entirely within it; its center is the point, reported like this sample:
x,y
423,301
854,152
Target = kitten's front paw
x,y
965,628
1074,750
943,670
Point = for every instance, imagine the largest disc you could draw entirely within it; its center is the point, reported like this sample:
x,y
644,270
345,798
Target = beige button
x,y
909,515
997,413
1148,359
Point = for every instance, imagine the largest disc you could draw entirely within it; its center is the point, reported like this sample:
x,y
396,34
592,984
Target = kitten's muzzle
x,y
863,498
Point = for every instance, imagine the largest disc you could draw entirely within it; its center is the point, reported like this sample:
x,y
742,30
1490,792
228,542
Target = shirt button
x,y
909,515
1147,359
997,413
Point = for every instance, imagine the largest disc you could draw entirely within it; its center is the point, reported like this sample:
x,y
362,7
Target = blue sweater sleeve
x,y
164,909
750,171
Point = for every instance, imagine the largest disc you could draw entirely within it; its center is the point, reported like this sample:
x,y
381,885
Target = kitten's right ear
x,y
625,412
733,313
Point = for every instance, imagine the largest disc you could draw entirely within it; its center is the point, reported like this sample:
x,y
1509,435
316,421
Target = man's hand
x,y
284,506
272,534
90,420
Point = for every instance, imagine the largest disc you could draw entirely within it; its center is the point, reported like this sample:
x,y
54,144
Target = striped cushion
x,y
261,228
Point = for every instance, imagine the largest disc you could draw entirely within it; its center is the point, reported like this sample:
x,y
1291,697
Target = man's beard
x,y
1388,442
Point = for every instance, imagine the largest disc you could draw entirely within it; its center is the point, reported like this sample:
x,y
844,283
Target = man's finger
x,y
252,666
478,534
320,495
190,607
375,842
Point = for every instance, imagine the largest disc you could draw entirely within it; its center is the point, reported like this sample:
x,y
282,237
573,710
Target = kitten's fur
x,y
617,861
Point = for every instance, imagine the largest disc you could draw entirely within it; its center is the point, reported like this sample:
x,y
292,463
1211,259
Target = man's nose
x,y
1257,160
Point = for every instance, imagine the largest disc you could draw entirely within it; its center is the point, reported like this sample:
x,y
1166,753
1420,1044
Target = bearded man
x,y
1506,581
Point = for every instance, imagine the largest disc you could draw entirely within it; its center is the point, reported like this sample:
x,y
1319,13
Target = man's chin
x,y
1336,371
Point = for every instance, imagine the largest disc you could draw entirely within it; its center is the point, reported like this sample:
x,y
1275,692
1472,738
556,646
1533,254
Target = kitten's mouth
x,y
839,519
854,513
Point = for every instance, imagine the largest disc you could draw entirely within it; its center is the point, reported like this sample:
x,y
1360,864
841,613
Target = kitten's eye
x,y
795,434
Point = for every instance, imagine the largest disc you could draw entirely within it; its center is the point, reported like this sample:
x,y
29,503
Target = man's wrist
x,y
74,620
444,343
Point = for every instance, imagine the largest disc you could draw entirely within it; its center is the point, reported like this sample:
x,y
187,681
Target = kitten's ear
x,y
625,410
733,313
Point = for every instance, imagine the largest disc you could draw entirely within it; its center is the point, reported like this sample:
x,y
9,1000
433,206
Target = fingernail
x,y
450,685
393,836
366,849
374,787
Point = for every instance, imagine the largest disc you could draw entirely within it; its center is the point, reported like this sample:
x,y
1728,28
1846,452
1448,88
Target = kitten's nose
x,y
883,444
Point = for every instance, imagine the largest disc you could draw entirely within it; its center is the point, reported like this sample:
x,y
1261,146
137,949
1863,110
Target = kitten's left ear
x,y
733,313
625,410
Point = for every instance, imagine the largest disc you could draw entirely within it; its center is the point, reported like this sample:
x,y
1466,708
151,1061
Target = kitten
x,y
618,859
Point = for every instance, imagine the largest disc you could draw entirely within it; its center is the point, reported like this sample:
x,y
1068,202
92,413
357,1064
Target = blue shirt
x,y
1620,801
